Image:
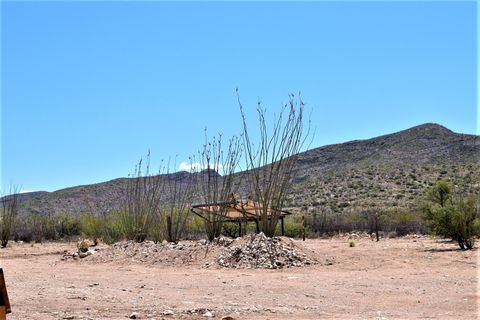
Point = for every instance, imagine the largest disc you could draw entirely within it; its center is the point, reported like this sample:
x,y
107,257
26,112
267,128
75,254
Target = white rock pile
x,y
260,252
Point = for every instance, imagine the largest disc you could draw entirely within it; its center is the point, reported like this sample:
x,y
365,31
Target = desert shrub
x,y
107,227
173,220
23,230
405,222
155,232
39,227
140,202
213,187
271,161
8,215
457,218
230,229
292,228
440,193
320,222
67,226
194,228
351,244
347,222
92,226
113,228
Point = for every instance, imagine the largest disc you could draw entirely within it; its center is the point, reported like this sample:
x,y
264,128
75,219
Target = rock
x,y
84,244
208,314
134,315
227,318
168,312
259,251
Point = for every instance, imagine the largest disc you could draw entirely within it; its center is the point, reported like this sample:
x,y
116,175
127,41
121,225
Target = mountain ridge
x,y
427,145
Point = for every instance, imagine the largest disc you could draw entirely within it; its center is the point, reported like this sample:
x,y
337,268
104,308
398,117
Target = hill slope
x,y
389,171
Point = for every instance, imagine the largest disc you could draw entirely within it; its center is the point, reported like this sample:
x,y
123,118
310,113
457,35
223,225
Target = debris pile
x,y
149,252
251,251
259,251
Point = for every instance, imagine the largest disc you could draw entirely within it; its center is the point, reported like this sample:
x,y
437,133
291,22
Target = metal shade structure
x,y
238,211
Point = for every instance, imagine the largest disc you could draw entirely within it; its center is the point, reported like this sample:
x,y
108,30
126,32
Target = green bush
x,y
405,222
230,229
67,226
36,227
92,226
292,228
107,227
456,218
155,231
195,227
113,228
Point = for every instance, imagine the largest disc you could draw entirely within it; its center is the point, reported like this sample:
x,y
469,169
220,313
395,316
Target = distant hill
x,y
29,195
389,171
424,144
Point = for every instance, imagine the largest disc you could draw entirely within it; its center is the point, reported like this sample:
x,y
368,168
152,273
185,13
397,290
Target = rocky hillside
x,y
387,171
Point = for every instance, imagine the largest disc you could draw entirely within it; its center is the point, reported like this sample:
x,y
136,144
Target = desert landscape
x,y
412,277
239,160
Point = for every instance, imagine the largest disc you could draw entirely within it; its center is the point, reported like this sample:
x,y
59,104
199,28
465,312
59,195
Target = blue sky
x,y
89,87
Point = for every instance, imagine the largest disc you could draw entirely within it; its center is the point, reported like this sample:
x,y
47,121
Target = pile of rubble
x,y
251,251
162,253
259,251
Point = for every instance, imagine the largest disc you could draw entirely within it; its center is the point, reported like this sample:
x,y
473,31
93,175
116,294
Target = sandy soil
x,y
403,278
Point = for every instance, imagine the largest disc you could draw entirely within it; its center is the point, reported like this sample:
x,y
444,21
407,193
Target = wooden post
x,y
283,226
4,302
240,228
169,228
257,226
303,228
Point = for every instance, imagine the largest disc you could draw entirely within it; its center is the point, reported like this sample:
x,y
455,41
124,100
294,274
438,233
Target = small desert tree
x,y
8,215
376,220
140,202
215,180
270,163
453,217
440,194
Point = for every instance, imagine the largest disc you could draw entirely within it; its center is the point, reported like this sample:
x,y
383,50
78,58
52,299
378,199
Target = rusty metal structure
x,y
238,211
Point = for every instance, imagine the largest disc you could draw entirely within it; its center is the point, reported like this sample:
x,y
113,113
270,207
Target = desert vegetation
x,y
453,216
215,182
140,202
8,215
270,162
330,190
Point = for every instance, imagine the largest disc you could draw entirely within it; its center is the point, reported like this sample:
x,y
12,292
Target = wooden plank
x,y
3,294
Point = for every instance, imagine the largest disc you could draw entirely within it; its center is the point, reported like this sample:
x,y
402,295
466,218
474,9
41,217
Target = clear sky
x,y
89,87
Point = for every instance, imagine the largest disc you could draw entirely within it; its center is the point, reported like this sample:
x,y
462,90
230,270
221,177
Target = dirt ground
x,y
403,278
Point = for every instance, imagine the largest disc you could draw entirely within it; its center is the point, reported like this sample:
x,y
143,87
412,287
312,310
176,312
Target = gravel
x,y
261,252
250,251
